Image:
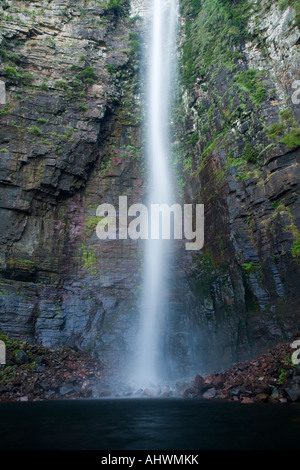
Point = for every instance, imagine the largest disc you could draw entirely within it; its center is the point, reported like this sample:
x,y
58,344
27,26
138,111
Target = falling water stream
x,y
151,424
150,366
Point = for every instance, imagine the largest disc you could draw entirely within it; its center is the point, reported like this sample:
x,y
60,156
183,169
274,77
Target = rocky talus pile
x,y
35,373
271,377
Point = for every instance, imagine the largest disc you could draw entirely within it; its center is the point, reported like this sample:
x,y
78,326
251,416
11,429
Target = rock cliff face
x,y
240,105
71,139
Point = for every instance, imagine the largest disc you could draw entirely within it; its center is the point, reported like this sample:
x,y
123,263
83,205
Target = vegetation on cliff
x,y
236,150
70,137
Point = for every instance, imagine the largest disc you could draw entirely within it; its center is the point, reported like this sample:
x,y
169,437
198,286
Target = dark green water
x,y
151,424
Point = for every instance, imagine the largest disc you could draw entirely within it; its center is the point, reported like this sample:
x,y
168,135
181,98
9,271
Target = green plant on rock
x,y
119,7
251,268
249,154
278,209
14,347
188,75
89,259
286,114
27,78
245,175
249,82
11,73
91,223
213,30
294,4
210,146
135,50
275,130
295,251
194,138
77,84
111,69
282,376
209,271
288,128
9,342
61,84
7,374
44,86
87,75
194,7
35,131
19,76
276,204
3,53
288,361
83,106
292,139
5,111
105,166
296,248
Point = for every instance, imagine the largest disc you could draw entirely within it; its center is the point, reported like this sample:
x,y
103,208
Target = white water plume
x,y
149,366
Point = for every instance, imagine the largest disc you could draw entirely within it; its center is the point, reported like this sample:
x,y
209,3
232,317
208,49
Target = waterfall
x,y
150,366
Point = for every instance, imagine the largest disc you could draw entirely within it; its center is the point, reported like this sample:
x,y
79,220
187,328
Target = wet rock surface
x,y
243,294
70,140
35,373
271,377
